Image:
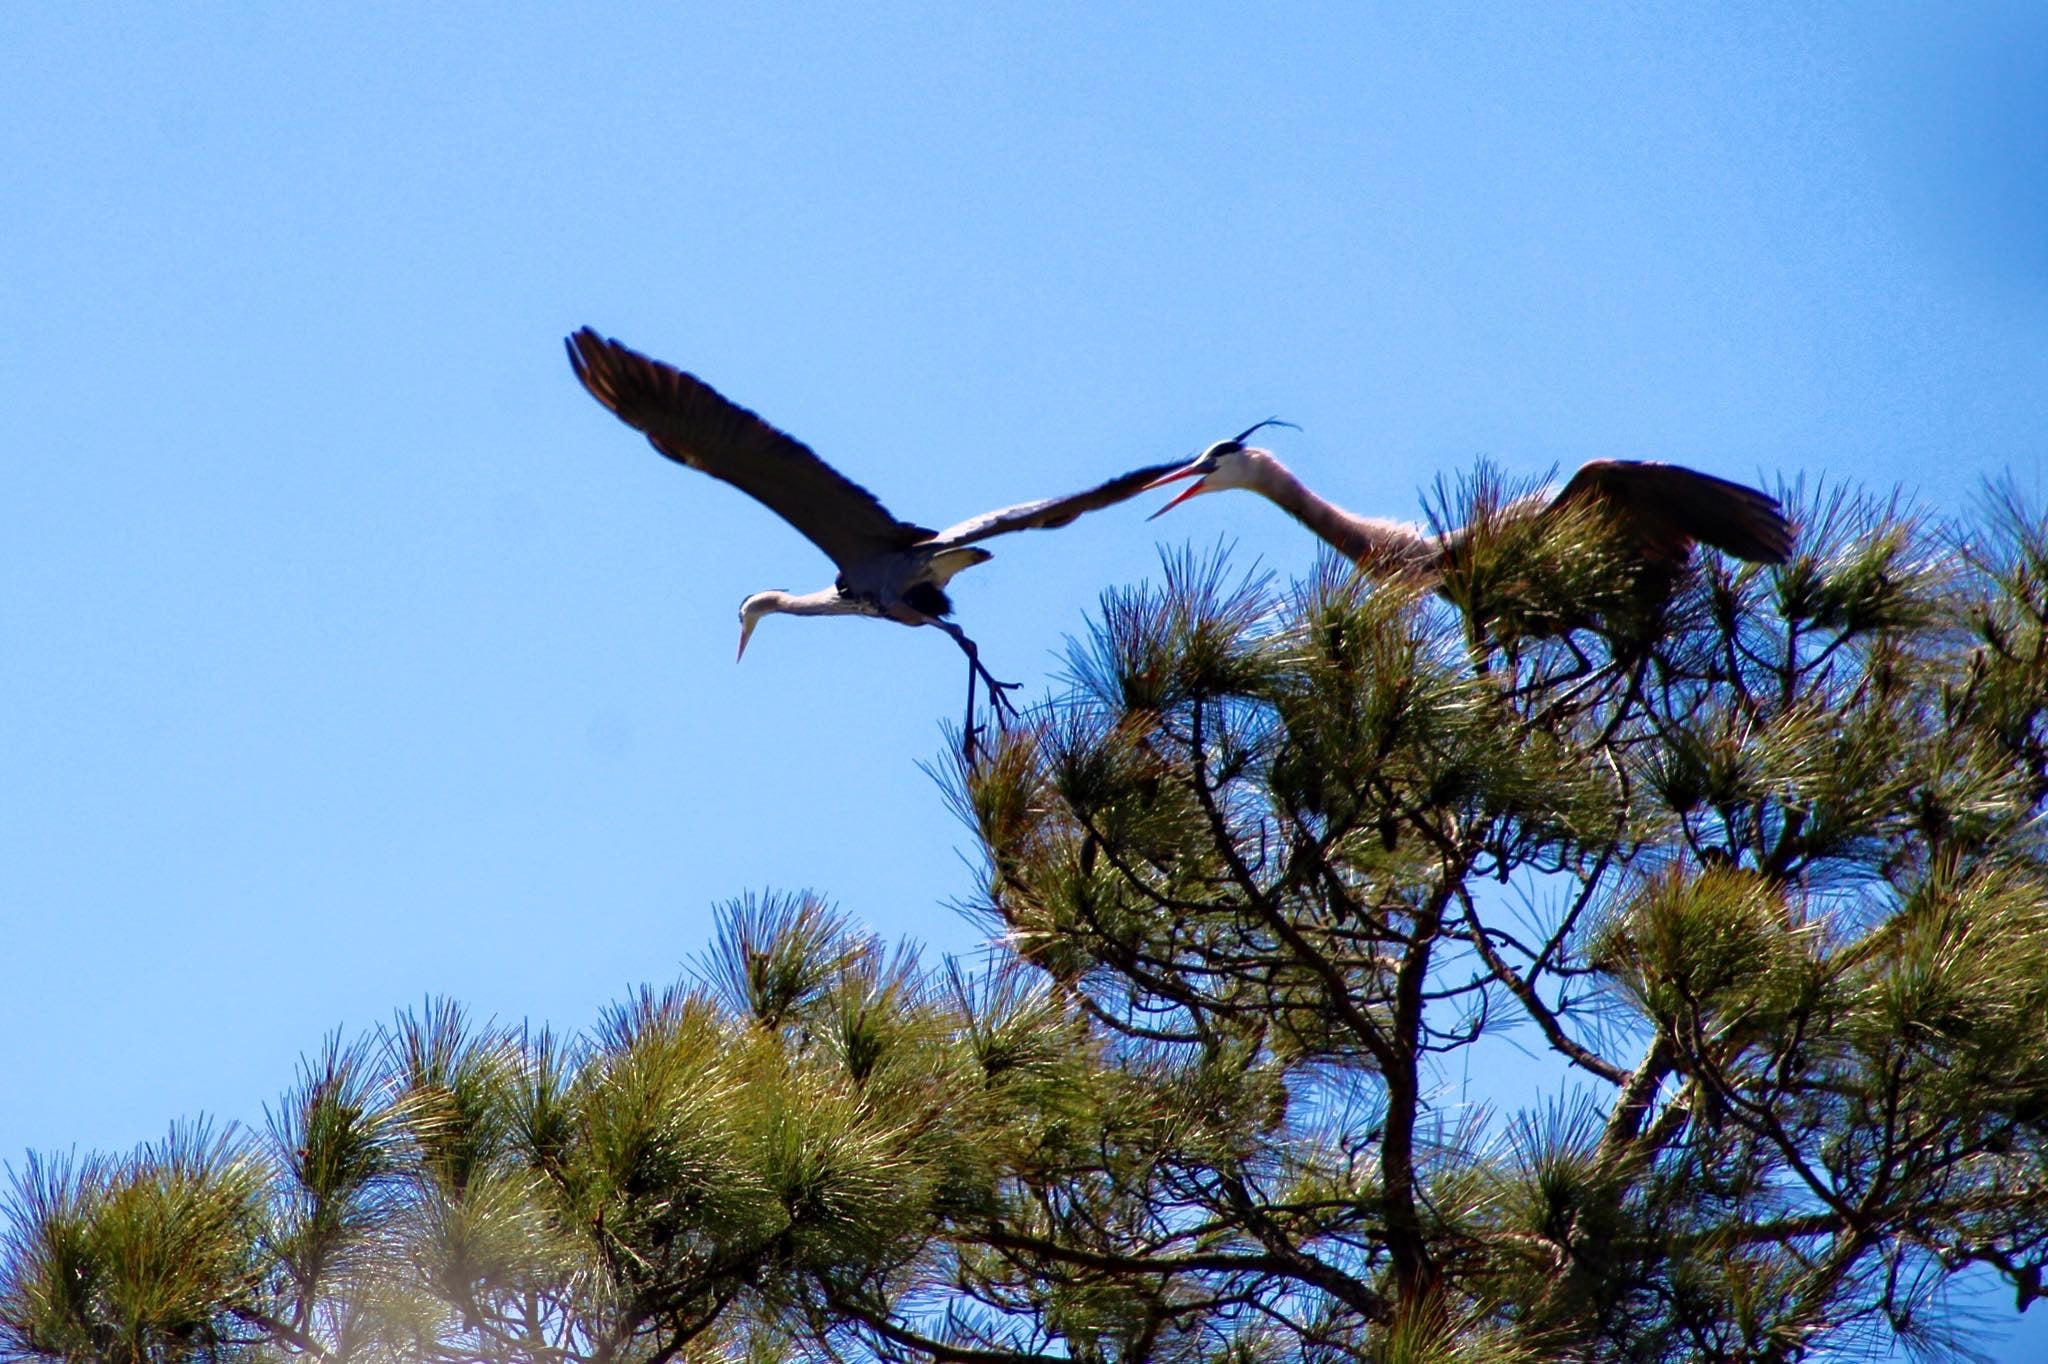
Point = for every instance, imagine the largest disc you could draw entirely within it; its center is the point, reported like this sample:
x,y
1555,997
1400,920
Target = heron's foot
x,y
998,690
1004,708
999,696
999,703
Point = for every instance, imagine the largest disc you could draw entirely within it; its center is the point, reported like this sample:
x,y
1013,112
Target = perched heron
x,y
1658,511
888,569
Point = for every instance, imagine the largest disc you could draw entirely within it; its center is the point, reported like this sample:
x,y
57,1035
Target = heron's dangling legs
x,y
998,702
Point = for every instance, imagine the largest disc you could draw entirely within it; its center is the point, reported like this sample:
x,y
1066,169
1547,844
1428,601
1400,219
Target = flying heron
x,y
1657,510
888,569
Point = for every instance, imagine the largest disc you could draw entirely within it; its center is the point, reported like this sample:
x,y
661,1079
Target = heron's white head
x,y
752,609
1226,464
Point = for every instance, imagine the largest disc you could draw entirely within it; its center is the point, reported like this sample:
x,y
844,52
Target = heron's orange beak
x,y
746,629
1200,485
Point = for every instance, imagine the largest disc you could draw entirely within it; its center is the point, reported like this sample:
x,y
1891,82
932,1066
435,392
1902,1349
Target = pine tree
x,y
1751,885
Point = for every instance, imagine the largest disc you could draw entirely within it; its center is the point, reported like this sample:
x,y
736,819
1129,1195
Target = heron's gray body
x,y
910,586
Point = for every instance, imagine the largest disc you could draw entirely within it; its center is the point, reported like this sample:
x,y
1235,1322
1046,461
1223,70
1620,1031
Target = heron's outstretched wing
x,y
1663,508
1053,511
687,420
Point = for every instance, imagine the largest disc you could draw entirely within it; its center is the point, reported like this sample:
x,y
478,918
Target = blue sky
x,y
353,654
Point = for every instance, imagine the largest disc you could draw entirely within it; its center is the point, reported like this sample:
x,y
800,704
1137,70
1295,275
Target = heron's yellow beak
x,y
746,629
1200,485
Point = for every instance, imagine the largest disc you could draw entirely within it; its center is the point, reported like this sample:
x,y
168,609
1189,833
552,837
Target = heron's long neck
x,y
828,602
1374,544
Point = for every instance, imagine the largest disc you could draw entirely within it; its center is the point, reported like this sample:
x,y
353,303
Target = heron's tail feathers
x,y
1742,521
1663,508
947,562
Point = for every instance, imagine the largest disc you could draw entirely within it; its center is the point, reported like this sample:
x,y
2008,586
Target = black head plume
x,y
1239,438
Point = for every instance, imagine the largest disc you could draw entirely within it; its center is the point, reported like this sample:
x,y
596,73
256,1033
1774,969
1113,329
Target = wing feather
x,y
1664,508
1053,511
688,421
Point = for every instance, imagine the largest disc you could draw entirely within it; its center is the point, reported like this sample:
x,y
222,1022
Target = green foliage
x,y
1761,867
1710,953
138,1260
1519,577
